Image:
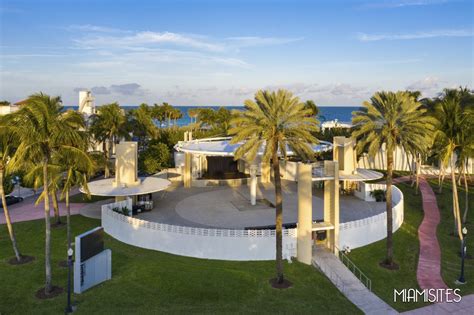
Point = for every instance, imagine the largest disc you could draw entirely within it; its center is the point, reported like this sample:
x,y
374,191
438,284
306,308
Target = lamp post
x,y
69,308
461,279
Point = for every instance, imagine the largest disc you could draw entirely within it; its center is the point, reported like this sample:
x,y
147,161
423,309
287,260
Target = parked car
x,y
11,200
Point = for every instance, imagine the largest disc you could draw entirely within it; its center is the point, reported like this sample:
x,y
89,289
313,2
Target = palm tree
x,y
391,119
45,130
158,114
273,121
141,124
455,131
78,168
107,127
311,105
7,145
193,113
176,114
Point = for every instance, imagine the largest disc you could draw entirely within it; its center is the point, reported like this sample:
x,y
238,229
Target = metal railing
x,y
355,270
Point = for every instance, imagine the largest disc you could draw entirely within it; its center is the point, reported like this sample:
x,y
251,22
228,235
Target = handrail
x,y
366,281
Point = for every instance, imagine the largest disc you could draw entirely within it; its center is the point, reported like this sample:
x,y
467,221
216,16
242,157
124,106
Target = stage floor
x,y
229,207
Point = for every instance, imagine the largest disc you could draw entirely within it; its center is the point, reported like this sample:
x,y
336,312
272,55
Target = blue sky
x,y
221,52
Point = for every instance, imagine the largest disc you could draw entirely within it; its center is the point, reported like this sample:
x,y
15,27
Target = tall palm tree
x,y
391,119
272,122
45,130
107,126
455,131
78,168
7,145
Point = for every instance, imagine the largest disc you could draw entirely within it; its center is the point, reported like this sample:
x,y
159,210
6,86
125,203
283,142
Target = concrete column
x,y
331,203
120,198
253,184
335,218
126,163
265,172
188,161
305,214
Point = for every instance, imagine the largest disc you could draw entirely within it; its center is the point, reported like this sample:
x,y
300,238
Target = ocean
x,y
341,113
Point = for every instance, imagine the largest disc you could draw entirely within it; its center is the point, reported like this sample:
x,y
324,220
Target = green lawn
x,y
406,249
145,281
82,198
450,245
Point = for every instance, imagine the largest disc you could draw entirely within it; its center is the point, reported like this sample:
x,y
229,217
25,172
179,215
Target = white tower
x,y
86,103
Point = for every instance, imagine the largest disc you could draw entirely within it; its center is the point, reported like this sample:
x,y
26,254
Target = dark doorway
x,y
221,167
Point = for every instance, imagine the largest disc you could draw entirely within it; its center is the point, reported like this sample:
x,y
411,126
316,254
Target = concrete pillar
x,y
253,184
331,204
126,163
120,198
265,172
188,161
185,136
305,213
190,136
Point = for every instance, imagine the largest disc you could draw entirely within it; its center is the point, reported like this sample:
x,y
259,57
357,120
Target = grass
x,y
450,245
406,250
145,281
82,198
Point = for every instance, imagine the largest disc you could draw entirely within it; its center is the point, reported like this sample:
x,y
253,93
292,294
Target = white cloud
x,y
428,86
416,35
94,28
142,40
251,41
403,3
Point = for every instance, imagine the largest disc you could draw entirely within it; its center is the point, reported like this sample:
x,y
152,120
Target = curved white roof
x,y
147,185
223,147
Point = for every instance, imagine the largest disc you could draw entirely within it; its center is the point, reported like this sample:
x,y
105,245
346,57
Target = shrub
x,y
125,211
378,194
155,158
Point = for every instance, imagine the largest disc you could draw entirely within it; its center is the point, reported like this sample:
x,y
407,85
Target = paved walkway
x,y
428,273
348,283
27,211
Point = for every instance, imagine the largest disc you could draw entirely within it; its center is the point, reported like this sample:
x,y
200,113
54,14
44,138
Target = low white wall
x,y
198,242
226,244
369,230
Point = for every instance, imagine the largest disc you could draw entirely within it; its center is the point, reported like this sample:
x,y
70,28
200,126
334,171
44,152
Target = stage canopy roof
x,y
223,147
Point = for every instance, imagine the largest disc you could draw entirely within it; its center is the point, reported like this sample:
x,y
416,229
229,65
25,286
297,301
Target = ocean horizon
x,y
342,113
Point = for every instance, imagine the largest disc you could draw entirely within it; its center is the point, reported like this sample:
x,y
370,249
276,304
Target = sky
x,y
221,52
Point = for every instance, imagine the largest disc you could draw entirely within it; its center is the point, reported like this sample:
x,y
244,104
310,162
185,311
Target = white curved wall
x,y
242,245
198,242
369,230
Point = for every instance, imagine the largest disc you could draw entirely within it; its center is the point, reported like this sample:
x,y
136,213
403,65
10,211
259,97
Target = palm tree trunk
x,y
410,167
106,158
466,197
279,217
441,178
57,218
457,214
47,219
389,258
11,232
418,169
